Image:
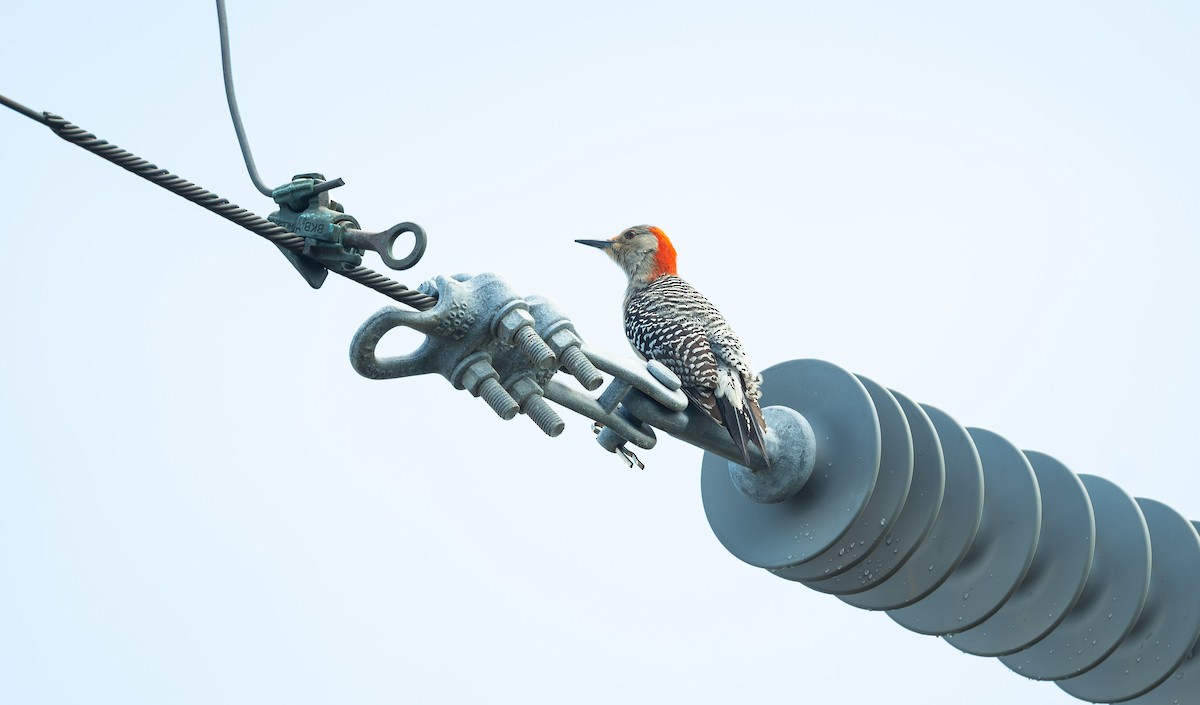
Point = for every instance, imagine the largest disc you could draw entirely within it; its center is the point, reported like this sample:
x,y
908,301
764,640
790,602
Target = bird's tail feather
x,y
745,426
758,427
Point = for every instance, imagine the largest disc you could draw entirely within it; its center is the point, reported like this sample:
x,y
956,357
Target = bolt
x,y
558,331
514,325
528,394
535,348
328,185
567,344
545,417
493,393
476,375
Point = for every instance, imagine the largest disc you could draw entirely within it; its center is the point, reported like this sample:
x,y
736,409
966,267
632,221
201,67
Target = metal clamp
x,y
480,336
332,239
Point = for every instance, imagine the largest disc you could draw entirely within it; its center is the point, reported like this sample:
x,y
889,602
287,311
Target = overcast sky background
x,y
992,209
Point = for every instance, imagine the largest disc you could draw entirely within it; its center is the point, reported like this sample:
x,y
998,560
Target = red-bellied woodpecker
x,y
667,320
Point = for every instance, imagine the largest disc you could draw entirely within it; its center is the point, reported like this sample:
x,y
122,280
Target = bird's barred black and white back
x,y
670,321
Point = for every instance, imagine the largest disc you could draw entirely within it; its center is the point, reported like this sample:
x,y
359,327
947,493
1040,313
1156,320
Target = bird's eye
x,y
629,235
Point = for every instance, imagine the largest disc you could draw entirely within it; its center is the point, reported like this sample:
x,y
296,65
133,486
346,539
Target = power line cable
x,y
207,199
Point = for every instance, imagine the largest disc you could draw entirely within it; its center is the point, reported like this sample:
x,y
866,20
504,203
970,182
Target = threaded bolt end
x,y
535,348
545,417
582,368
500,400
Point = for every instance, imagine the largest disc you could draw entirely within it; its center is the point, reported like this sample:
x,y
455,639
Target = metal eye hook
x,y
383,243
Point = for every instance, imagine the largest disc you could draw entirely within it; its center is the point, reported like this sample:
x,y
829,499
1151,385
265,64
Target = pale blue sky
x,y
988,206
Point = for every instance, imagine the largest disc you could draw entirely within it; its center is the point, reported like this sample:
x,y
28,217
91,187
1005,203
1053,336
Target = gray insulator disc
x,y
1112,597
848,449
891,489
1170,621
953,530
1002,552
916,517
1181,687
1060,567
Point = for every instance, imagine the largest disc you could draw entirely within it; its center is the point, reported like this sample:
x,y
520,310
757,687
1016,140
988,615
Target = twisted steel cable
x,y
230,211
202,197
221,206
175,184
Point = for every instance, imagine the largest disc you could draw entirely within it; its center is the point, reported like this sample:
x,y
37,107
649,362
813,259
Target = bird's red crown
x,y
664,259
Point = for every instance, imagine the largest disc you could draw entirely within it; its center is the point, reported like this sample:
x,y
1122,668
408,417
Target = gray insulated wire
x,y
231,98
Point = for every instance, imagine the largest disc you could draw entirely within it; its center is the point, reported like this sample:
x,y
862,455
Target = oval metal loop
x,y
388,241
369,365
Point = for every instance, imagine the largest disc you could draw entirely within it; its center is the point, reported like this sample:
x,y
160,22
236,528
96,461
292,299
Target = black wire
x,y
227,71
27,112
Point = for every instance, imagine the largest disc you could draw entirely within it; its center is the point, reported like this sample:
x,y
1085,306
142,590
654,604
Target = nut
x,y
507,325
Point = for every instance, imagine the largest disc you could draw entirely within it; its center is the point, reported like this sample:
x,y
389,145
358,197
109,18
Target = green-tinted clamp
x,y
332,239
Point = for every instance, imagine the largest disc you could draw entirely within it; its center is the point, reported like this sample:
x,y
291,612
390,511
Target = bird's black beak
x,y
602,244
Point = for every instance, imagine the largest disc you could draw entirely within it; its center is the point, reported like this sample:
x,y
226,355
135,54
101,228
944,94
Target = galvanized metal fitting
x,y
468,337
620,425
646,395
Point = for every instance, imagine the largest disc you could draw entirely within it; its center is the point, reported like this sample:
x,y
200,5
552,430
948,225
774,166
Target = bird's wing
x,y
682,346
671,322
